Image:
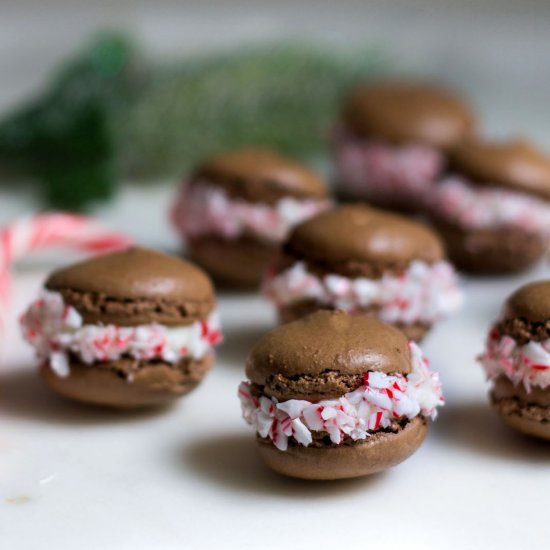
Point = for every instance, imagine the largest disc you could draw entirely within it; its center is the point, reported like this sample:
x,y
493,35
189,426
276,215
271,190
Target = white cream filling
x,y
374,169
422,293
204,209
527,364
473,207
56,330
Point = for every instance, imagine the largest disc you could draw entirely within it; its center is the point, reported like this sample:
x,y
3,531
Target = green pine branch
x,y
110,114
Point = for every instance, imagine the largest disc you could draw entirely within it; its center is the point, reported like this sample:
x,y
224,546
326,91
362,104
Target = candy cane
x,y
43,231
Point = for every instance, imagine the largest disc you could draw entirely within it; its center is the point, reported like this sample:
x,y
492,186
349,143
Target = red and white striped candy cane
x,y
51,230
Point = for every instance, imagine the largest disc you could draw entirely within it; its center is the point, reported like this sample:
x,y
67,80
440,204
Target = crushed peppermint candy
x,y
382,399
381,171
421,293
457,200
56,329
204,209
527,364
26,235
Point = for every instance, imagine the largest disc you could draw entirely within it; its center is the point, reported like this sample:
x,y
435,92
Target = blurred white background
x,y
495,50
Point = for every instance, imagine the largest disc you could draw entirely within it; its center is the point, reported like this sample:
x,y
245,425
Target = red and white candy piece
x,y
527,364
51,230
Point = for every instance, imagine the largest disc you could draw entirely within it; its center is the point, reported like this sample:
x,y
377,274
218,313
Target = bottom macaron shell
x,y
405,205
375,454
527,426
526,412
488,251
151,386
414,331
239,263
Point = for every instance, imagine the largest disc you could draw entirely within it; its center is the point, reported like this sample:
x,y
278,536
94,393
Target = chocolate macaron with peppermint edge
x,y
129,329
365,261
517,360
492,208
392,139
237,207
335,396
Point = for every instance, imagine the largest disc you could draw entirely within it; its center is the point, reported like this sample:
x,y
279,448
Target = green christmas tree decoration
x,y
110,114
63,138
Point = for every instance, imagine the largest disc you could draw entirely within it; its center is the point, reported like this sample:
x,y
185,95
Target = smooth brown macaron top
x,y
261,175
135,286
530,302
515,164
328,341
407,112
347,237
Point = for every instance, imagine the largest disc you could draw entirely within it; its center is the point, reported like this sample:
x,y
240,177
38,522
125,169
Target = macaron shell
x,y
358,233
239,263
401,112
515,164
531,302
375,454
95,308
261,175
504,388
136,273
329,341
527,426
294,311
519,409
151,386
491,250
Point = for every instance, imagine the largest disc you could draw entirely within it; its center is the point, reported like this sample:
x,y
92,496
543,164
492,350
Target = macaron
x,y
129,329
333,396
492,207
365,261
391,142
517,360
237,206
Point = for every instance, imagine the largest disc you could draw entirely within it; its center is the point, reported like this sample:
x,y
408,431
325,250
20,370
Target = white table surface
x,y
188,477
72,477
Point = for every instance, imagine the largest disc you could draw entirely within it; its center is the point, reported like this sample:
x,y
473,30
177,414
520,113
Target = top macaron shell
x,y
515,164
261,175
329,341
354,237
400,113
531,302
135,286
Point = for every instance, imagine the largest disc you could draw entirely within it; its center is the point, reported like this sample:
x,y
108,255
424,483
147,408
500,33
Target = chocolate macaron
x,y
391,142
128,329
238,206
365,261
335,396
517,360
493,206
